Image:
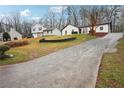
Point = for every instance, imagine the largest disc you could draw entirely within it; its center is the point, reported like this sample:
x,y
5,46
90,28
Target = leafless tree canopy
x,y
75,15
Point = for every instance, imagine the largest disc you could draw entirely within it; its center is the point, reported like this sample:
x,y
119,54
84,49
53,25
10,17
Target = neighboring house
x,y
14,34
70,29
100,28
37,30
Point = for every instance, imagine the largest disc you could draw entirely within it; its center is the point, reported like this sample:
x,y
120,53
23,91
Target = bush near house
x,y
6,36
74,32
3,49
17,43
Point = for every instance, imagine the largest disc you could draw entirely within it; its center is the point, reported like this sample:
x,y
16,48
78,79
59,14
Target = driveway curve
x,y
73,67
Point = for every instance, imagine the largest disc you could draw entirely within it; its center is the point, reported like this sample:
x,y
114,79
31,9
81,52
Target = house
x,y
103,28
52,31
37,30
70,29
14,34
47,31
56,32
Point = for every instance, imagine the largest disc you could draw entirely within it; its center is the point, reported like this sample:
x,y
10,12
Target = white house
x,y
100,28
56,32
70,29
14,34
47,31
37,30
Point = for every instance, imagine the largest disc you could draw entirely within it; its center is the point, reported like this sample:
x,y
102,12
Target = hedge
x,y
58,40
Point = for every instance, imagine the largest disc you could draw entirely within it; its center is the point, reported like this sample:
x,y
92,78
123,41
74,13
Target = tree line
x,y
74,15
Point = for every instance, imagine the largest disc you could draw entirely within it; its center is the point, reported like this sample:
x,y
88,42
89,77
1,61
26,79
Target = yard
x,y
111,73
36,49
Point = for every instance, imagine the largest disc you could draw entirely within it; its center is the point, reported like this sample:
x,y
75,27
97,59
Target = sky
x,y
29,11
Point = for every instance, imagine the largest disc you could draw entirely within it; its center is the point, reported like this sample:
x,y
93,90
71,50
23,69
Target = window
x,y
40,28
47,32
72,30
101,28
34,29
65,32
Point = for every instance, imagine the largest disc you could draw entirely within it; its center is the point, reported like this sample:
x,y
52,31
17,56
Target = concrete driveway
x,y
73,67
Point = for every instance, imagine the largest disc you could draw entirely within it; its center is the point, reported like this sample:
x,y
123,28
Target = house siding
x,y
106,29
15,34
68,30
56,32
36,32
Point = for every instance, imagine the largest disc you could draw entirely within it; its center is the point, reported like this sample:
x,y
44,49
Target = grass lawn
x,y
111,73
36,49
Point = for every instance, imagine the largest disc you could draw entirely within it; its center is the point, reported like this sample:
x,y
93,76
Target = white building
x,y
37,30
47,31
70,29
14,34
56,32
100,28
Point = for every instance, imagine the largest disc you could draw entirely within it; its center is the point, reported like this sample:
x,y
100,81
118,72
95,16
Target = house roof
x,y
96,25
48,29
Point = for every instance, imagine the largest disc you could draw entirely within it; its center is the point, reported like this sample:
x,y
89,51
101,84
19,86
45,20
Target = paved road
x,y
76,66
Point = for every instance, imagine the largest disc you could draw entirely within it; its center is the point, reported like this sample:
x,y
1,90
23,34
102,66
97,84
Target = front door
x,y
79,31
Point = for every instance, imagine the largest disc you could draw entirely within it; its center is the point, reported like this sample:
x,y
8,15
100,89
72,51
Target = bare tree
x,y
1,24
72,12
111,13
93,14
61,19
83,14
16,21
26,28
51,18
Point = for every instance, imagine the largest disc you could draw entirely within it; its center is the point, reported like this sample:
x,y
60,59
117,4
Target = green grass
x,y
36,49
111,73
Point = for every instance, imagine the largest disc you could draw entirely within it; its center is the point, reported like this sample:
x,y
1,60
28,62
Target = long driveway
x,y
73,67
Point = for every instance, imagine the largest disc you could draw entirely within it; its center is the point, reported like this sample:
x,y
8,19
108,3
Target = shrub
x,y
17,43
15,38
6,36
58,40
3,49
29,36
74,32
